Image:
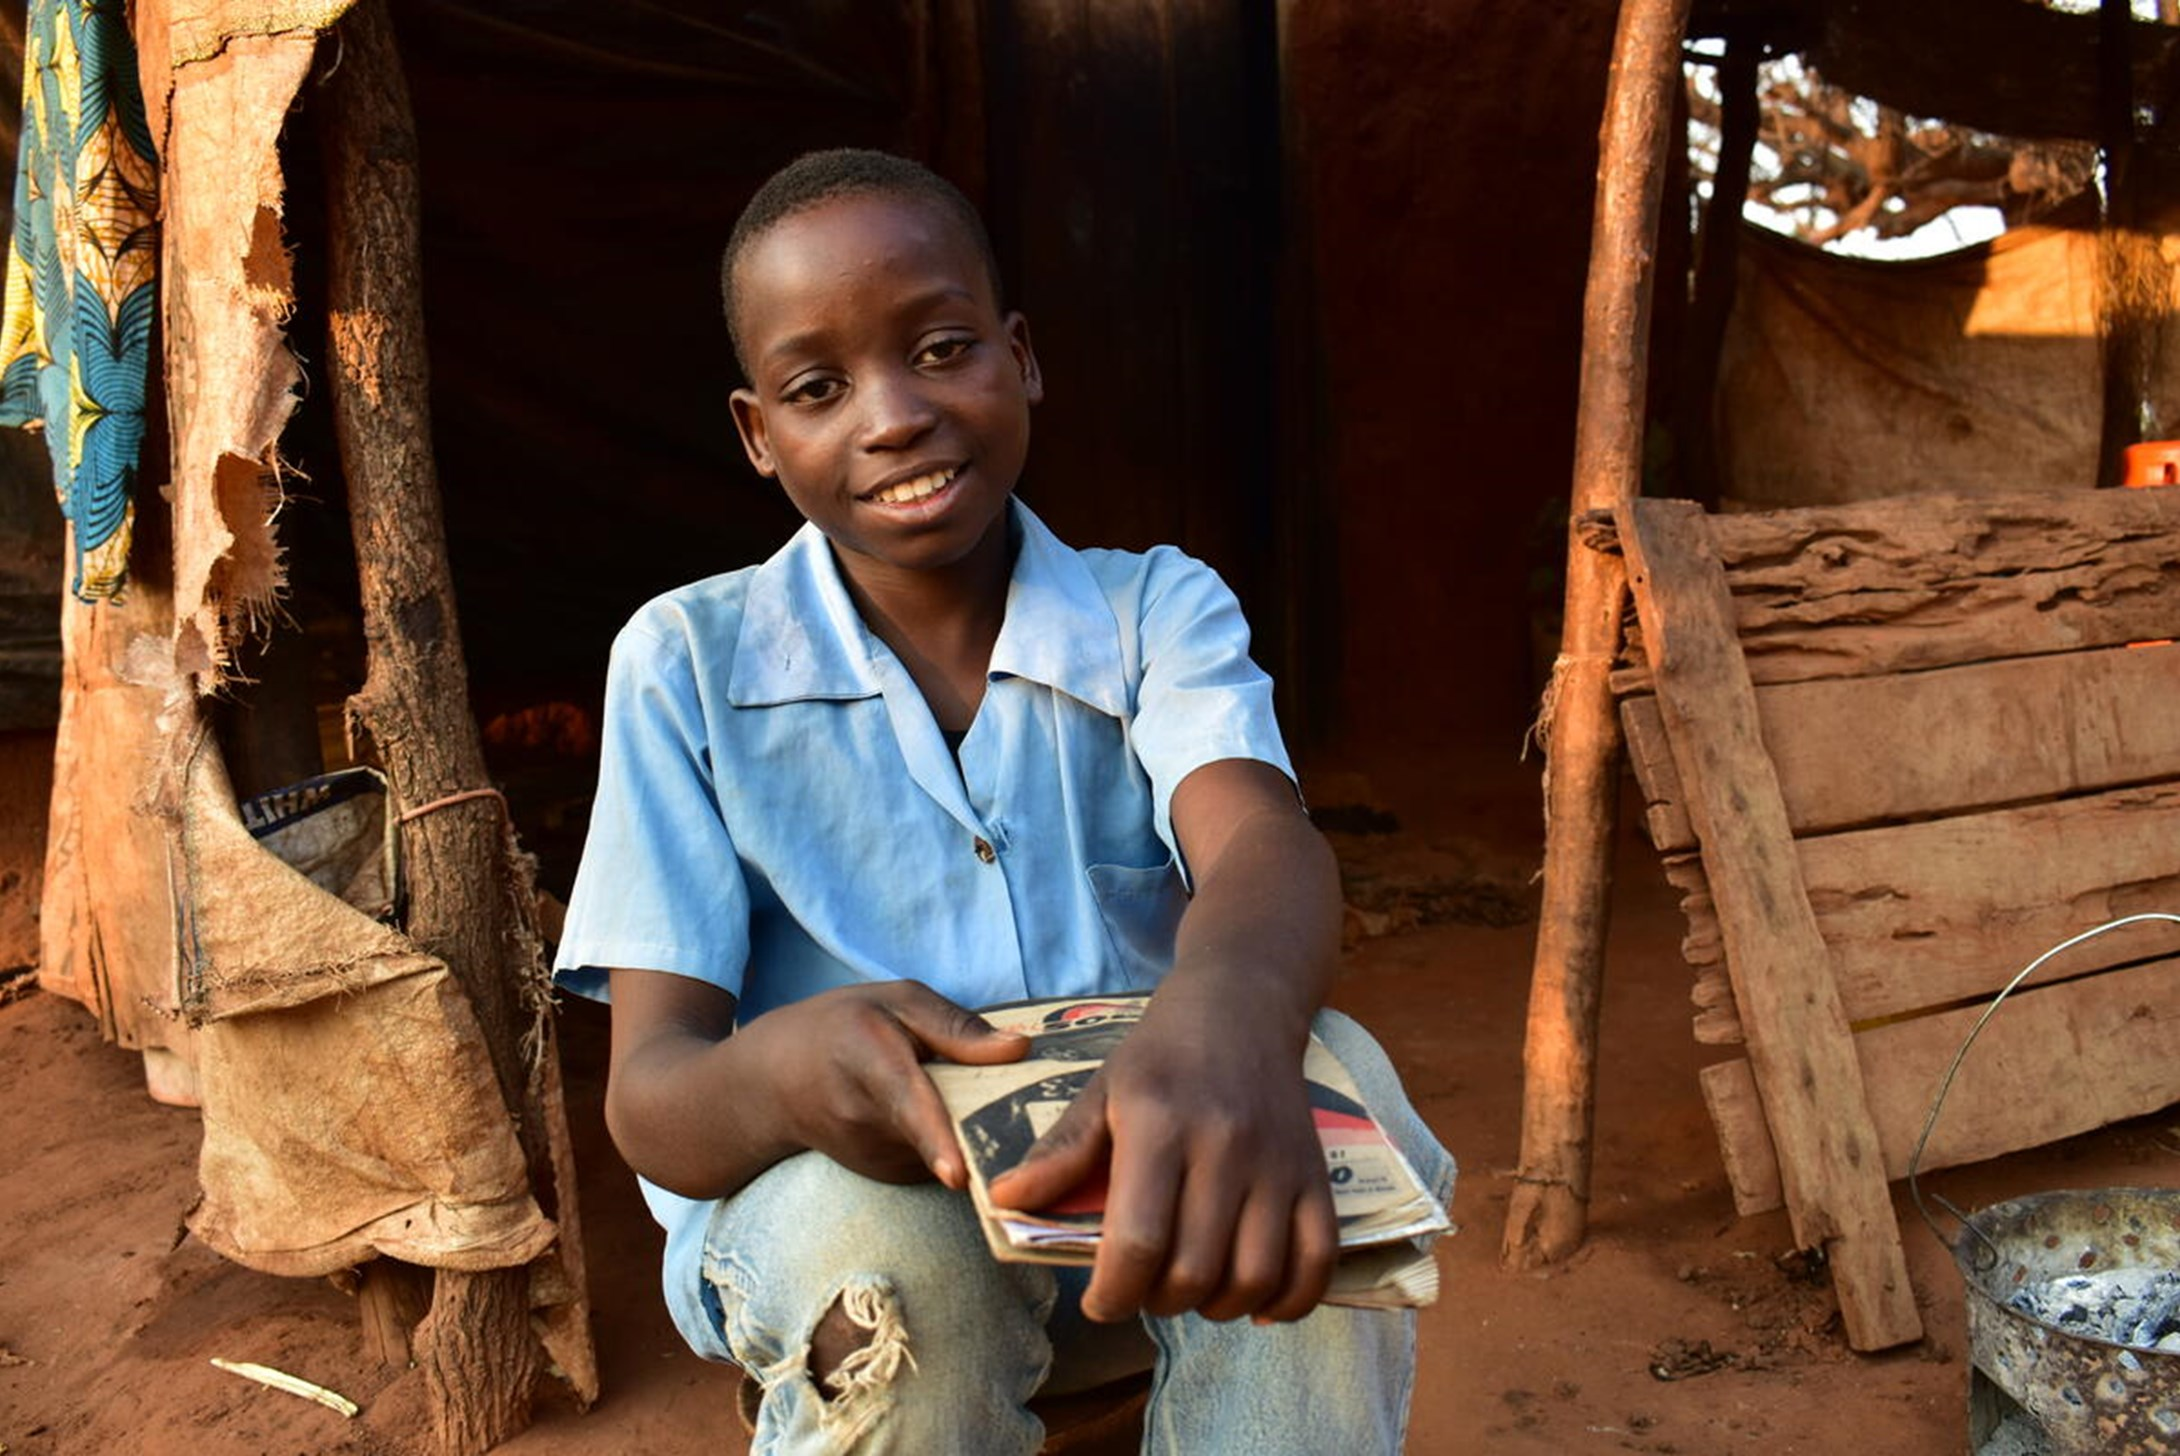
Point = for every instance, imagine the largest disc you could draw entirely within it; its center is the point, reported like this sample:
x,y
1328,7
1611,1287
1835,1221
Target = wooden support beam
x,y
2134,284
1830,1158
393,1298
481,1359
1548,1214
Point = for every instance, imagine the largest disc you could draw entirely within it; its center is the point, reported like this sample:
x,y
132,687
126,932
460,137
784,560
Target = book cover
x,y
1000,1111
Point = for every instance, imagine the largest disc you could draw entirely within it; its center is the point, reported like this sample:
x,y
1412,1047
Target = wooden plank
x,y
1936,581
1925,915
2013,731
1718,1019
1650,754
1921,915
2026,1081
1744,1142
1797,1031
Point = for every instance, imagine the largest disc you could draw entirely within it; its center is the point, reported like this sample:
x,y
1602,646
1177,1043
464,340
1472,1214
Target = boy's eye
x,y
812,390
940,350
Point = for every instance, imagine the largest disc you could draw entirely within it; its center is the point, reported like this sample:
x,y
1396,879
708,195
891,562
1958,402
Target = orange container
x,y
2153,462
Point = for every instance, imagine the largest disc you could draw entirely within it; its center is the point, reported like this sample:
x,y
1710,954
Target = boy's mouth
x,y
916,488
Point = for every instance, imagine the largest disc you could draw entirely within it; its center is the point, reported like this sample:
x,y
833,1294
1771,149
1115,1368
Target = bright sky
x,y
2144,9
1958,228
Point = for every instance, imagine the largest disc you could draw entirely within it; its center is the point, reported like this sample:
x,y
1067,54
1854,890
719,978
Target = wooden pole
x,y
476,1347
2130,297
1548,1214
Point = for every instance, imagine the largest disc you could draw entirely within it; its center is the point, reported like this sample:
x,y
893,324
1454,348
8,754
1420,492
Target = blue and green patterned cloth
x,y
75,343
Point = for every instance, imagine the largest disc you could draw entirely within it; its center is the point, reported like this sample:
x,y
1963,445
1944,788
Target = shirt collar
x,y
802,638
1060,629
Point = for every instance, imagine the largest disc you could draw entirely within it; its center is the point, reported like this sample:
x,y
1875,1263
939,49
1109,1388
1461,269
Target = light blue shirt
x,y
778,813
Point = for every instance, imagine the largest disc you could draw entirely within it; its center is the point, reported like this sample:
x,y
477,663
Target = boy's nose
x,y
895,412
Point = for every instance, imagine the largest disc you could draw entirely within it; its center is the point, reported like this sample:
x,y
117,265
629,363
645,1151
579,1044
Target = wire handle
x,y
1945,1084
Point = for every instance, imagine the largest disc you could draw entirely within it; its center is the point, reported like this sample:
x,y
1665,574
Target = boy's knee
x,y
874,1381
860,1344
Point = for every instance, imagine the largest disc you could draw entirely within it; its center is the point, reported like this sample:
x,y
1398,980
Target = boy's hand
x,y
701,1108
847,1069
1218,1200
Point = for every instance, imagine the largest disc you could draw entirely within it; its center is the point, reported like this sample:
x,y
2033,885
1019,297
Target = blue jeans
x,y
959,1342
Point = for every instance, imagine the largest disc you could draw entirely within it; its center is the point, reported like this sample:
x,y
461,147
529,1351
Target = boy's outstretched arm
x,y
700,1108
1218,1200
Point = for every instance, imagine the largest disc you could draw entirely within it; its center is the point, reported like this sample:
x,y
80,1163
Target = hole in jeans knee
x,y
861,1344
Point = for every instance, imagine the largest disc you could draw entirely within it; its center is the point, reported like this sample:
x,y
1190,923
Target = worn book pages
x,y
1000,1111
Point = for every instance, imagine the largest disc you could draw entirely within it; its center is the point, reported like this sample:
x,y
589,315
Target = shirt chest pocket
x,y
1141,909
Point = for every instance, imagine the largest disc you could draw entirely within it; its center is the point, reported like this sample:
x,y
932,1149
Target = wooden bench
x,y
1890,753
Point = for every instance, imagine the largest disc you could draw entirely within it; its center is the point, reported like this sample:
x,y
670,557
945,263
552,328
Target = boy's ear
x,y
1025,358
749,423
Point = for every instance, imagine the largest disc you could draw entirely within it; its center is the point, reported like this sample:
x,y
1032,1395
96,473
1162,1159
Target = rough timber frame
x,y
1912,743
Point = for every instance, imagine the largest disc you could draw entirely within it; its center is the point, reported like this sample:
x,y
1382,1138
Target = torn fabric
x,y
1844,379
350,1107
201,29
106,907
230,376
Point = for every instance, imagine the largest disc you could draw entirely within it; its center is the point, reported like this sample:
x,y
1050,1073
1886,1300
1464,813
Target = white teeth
x,y
914,490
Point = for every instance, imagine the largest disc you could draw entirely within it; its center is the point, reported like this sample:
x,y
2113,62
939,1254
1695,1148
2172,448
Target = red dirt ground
x,y
108,1316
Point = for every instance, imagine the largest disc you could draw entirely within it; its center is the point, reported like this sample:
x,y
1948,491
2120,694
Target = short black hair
x,y
816,177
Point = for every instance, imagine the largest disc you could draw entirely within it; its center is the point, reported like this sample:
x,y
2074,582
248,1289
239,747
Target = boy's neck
x,y
941,624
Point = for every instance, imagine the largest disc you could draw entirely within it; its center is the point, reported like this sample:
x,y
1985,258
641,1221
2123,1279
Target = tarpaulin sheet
x,y
1846,379
350,1106
106,914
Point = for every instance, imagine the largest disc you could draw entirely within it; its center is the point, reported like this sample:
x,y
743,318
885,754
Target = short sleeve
x,y
659,886
1200,698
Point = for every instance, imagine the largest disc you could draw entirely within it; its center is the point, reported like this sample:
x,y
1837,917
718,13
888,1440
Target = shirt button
x,y
984,850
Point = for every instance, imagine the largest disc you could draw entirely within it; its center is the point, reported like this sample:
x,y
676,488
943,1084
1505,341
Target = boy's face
x,y
888,396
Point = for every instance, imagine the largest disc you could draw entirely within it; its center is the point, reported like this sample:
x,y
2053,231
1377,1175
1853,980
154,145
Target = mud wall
x,y
1447,158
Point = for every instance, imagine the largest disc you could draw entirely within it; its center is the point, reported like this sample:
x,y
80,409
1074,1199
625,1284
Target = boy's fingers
x,y
1203,1247
1310,1260
926,1127
1138,1230
1071,1151
952,1031
1257,1274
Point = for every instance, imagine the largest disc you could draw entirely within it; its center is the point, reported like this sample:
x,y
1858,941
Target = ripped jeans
x,y
959,1342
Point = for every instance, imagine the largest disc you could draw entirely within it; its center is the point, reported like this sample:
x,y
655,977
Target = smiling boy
x,y
928,758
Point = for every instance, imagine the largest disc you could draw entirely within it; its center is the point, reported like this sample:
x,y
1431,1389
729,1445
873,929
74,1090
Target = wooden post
x,y
1548,1214
393,1298
480,1357
2133,293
